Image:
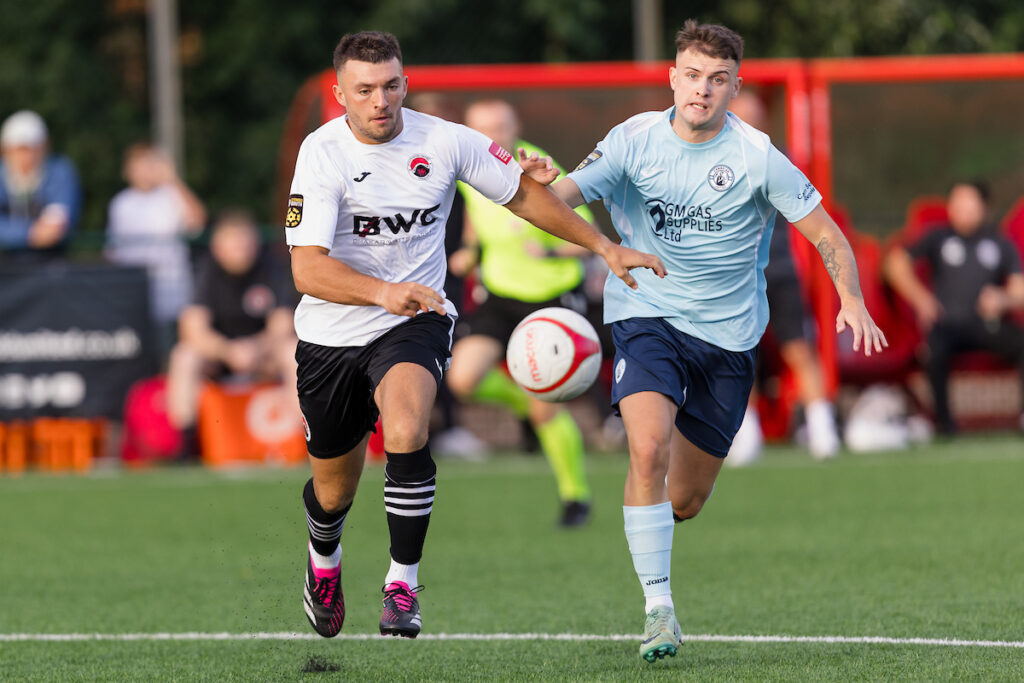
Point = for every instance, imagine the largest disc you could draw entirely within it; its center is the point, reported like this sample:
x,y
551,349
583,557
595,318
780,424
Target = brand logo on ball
x,y
419,166
531,355
721,178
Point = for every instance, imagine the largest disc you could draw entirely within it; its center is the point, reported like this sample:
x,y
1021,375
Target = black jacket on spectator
x,y
239,304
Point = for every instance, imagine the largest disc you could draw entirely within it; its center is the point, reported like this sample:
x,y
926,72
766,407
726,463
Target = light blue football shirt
x,y
706,210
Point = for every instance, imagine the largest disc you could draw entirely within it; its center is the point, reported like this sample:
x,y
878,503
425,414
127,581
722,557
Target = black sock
x,y
408,499
324,527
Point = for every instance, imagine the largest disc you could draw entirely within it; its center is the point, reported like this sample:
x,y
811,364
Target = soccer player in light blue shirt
x,y
699,188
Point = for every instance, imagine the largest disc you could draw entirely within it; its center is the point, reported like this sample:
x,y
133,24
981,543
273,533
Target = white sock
x,y
822,438
649,534
657,601
325,561
403,572
820,415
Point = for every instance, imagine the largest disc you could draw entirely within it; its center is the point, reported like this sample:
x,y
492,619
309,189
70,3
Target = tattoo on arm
x,y
828,256
840,266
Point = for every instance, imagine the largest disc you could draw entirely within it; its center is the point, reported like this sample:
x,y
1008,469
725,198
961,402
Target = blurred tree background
x,y
84,65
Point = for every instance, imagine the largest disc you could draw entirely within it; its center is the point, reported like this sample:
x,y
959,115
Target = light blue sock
x,y
649,534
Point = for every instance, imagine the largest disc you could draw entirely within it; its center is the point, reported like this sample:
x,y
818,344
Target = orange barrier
x,y
51,444
248,424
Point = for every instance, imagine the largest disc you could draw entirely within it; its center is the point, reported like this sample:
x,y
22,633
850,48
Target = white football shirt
x,y
382,210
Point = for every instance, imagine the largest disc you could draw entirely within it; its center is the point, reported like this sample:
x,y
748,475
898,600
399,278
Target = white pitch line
x,y
578,637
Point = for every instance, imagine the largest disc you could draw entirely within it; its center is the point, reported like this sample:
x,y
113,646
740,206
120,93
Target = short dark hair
x,y
980,186
712,40
375,47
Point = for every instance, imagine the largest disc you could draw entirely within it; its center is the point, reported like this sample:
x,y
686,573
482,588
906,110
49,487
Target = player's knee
x,y
332,499
404,434
459,384
648,458
688,508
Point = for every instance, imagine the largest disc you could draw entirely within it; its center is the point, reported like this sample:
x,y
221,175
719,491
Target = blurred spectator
x,y
240,323
146,224
522,269
976,281
791,326
40,197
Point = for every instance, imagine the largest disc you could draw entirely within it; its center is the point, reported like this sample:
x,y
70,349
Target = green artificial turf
x,y
924,543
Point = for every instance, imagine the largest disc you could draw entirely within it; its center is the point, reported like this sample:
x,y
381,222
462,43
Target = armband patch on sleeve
x,y
591,158
294,215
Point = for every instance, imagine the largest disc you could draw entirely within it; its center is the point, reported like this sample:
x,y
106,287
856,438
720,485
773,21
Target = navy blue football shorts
x,y
710,385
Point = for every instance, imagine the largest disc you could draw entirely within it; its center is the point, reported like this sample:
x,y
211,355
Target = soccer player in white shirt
x,y
699,188
365,224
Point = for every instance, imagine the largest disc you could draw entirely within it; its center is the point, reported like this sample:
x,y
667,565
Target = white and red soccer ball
x,y
554,354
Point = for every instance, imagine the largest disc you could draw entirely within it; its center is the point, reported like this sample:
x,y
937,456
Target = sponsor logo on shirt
x,y
500,153
372,225
807,192
591,158
721,178
419,166
294,214
671,219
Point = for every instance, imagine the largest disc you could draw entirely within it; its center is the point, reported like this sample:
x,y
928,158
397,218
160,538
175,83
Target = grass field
x,y
921,544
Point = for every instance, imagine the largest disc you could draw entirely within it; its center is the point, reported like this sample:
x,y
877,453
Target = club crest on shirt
x,y
620,370
591,158
988,254
294,214
419,166
721,178
258,300
953,251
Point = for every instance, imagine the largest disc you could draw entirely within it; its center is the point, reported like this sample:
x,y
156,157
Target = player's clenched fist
x,y
410,298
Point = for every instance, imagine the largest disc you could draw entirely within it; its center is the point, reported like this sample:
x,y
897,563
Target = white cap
x,y
23,129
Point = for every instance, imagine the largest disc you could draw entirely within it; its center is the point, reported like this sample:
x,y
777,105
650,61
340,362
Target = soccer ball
x,y
554,354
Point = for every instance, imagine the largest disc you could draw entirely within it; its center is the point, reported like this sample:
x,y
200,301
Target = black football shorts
x,y
336,384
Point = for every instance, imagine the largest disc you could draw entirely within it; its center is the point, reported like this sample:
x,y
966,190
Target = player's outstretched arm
x,y
837,255
541,169
536,204
317,274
